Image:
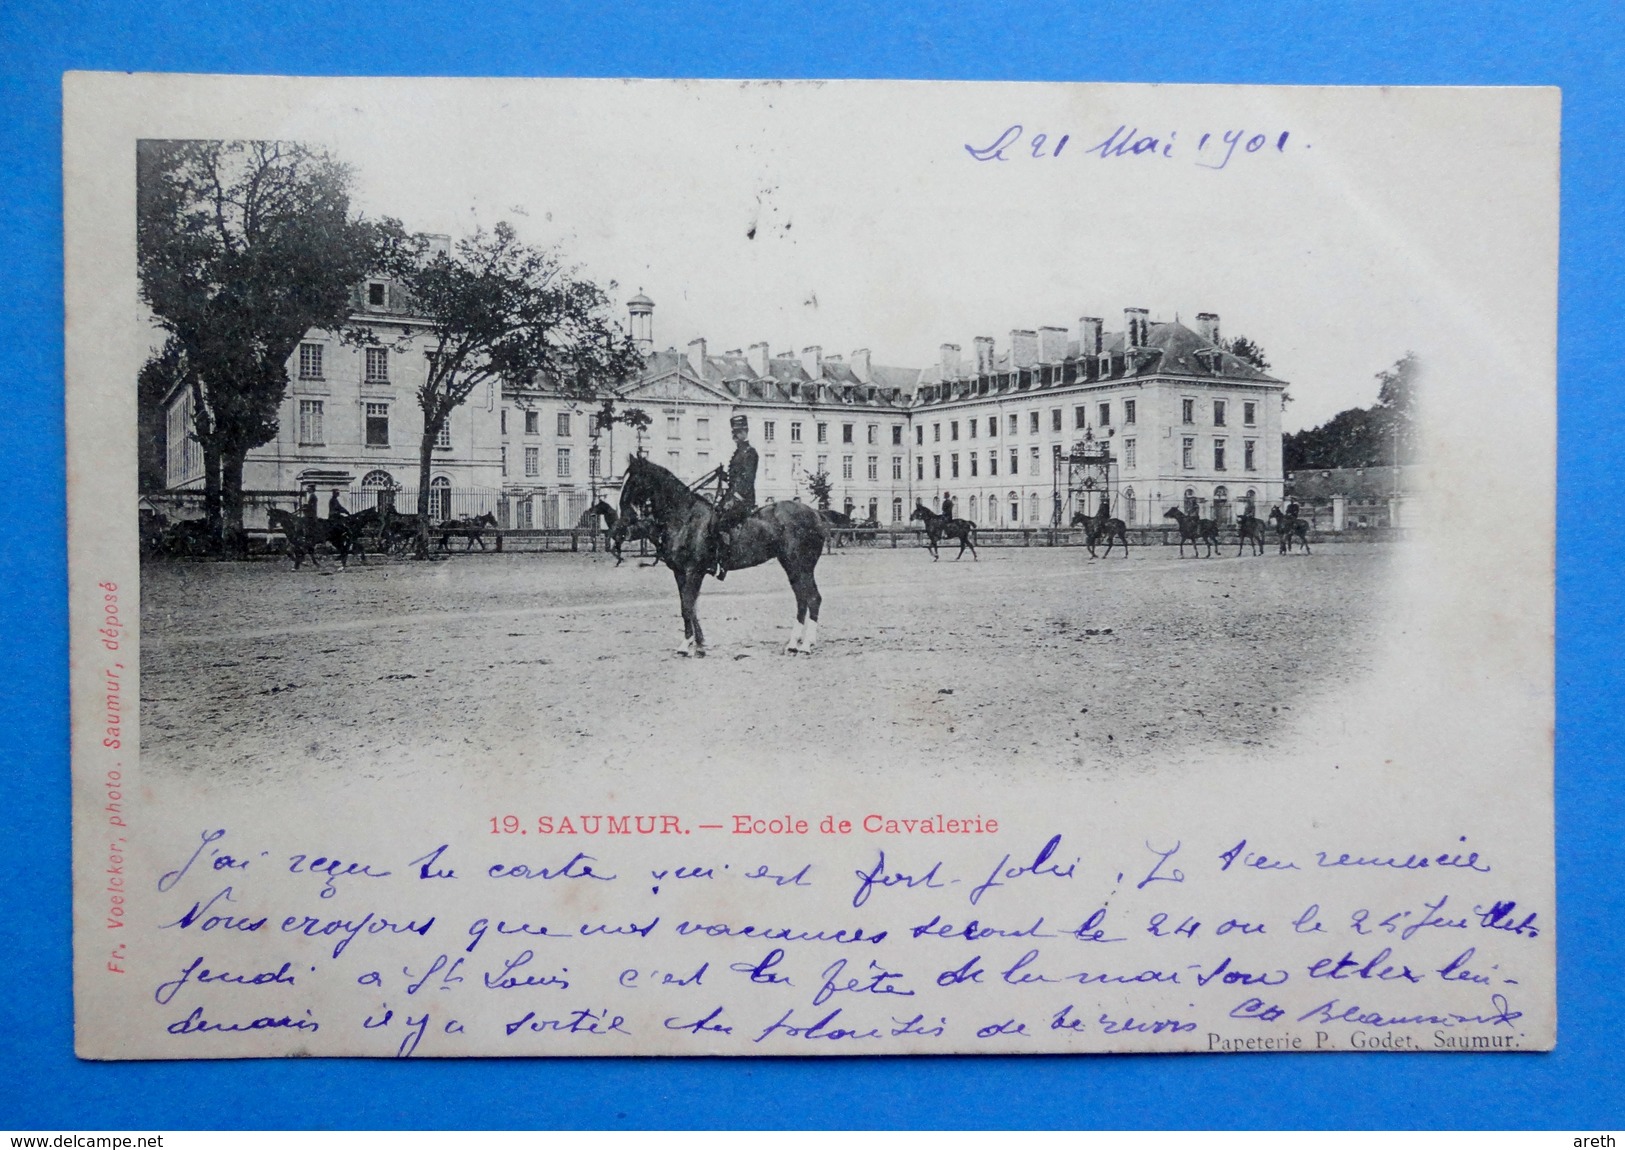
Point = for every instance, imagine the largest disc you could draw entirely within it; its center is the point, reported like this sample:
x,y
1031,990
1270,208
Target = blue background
x,y
1578,47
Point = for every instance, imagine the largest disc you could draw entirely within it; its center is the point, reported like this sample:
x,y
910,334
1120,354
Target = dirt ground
x,y
564,662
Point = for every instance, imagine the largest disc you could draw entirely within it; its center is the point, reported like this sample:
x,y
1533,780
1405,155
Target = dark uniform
x,y
335,509
947,506
310,507
738,492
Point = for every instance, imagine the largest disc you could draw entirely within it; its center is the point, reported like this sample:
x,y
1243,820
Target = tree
x,y
498,309
1249,352
243,247
1377,436
1396,401
822,487
1245,349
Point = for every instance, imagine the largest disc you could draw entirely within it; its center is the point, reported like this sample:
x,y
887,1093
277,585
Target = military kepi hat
x,y
739,422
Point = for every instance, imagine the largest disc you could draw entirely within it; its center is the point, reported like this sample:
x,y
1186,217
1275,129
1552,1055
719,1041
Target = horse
x,y
590,518
471,528
792,533
840,524
1098,524
1250,528
941,527
1195,529
1290,528
301,541
399,531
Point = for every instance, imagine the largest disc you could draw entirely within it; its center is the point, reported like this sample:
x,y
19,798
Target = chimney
x,y
812,361
860,364
1051,344
1134,327
950,360
1207,326
640,310
696,356
1023,348
758,359
1091,341
984,355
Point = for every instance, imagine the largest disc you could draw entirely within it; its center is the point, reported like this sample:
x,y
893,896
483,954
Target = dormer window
x,y
377,294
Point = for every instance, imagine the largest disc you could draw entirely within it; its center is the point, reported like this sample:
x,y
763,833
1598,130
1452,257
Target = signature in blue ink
x,y
1501,1014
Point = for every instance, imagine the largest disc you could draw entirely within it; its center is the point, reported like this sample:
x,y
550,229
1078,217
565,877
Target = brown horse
x,y
1250,528
473,528
939,527
304,536
1101,523
1195,529
1290,529
792,533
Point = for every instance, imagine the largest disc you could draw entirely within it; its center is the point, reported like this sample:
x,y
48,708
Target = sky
x,y
1338,228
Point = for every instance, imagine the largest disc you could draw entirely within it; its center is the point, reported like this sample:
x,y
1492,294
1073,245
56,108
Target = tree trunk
x,y
211,490
425,462
233,536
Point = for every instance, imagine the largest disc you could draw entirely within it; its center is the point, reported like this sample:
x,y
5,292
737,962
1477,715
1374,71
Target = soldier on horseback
x,y
335,509
738,498
947,505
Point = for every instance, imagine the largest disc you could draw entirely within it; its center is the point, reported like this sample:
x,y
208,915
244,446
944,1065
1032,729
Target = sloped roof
x,y
1352,482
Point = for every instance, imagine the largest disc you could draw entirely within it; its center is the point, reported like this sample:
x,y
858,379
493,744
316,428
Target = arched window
x,y
379,488
440,498
896,510
1015,508
1033,515
1221,505
970,509
1129,509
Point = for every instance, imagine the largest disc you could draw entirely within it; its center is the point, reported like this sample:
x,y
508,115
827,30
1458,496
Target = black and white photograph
x,y
615,567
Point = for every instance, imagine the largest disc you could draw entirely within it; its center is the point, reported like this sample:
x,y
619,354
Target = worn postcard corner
x,y
638,567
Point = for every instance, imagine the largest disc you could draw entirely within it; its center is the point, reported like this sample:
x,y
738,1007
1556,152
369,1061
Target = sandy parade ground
x,y
557,662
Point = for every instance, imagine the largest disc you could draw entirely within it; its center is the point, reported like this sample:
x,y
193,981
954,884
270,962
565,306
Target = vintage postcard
x,y
588,567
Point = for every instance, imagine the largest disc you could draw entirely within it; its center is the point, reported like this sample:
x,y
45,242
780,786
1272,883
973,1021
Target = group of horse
x,y
1250,531
388,532
678,521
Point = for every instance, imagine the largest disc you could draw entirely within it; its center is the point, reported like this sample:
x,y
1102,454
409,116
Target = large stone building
x,y
1177,420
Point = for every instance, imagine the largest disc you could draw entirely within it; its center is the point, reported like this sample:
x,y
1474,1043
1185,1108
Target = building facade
x,y
1178,420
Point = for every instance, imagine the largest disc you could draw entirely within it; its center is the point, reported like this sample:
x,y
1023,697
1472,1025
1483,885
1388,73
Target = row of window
x,y
1249,454
313,431
311,363
561,462
1080,419
533,423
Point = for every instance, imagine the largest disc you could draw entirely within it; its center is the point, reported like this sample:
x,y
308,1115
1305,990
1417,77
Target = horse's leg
x,y
970,541
688,616
799,631
691,596
809,598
